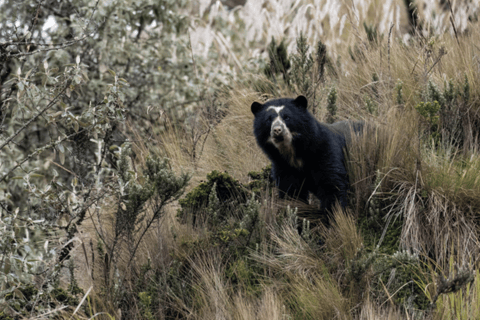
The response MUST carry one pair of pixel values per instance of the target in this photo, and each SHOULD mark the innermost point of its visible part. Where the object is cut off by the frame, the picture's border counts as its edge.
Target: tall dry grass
(434, 192)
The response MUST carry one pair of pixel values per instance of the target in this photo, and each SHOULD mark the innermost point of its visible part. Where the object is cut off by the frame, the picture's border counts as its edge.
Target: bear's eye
(286, 117)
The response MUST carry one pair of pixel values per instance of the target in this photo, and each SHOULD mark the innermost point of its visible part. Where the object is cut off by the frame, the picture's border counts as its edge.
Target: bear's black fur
(307, 156)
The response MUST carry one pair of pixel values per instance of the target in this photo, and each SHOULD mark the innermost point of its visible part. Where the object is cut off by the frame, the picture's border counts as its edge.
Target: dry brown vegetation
(417, 184)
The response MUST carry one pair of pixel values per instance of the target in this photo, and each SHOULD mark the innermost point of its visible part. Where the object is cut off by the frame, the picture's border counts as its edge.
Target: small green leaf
(7, 267)
(56, 114)
(28, 74)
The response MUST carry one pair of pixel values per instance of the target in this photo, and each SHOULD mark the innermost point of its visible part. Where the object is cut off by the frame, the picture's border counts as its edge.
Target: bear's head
(277, 122)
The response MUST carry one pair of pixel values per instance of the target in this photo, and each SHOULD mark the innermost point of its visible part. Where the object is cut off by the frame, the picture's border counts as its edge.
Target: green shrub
(261, 180)
(229, 191)
(279, 61)
(332, 106)
(430, 113)
(302, 68)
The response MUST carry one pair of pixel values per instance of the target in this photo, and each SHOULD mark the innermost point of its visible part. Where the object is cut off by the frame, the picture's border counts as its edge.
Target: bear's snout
(277, 131)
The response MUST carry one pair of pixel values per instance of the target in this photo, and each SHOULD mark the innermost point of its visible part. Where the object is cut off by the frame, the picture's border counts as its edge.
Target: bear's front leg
(292, 186)
(330, 196)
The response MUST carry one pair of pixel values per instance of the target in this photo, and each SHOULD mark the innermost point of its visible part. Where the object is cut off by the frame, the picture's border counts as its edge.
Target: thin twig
(51, 145)
(388, 50)
(453, 22)
(35, 18)
(66, 44)
(48, 106)
(441, 54)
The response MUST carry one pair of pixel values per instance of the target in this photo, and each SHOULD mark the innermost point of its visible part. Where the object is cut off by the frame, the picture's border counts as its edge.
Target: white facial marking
(277, 109)
(285, 146)
(278, 122)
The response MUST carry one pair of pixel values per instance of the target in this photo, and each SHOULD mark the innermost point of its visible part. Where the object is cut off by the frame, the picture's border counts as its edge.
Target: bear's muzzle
(277, 132)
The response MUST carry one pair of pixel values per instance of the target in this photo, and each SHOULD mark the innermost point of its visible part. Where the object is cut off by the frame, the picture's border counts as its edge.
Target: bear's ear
(256, 107)
(301, 102)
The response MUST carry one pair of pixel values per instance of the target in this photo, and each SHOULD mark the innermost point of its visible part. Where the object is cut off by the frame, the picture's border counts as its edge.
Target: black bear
(307, 156)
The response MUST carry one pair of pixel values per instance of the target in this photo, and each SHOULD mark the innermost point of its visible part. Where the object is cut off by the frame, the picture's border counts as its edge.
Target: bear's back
(346, 128)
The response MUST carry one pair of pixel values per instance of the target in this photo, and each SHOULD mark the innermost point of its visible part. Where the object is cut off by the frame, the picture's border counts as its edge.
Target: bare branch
(64, 45)
(51, 145)
(48, 106)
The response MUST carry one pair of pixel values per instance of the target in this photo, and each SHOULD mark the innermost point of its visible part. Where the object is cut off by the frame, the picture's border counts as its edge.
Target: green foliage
(25, 299)
(449, 92)
(232, 235)
(462, 278)
(433, 94)
(279, 61)
(160, 186)
(213, 204)
(64, 297)
(69, 77)
(73, 287)
(140, 203)
(230, 194)
(380, 230)
(399, 93)
(396, 277)
(146, 305)
(356, 54)
(372, 34)
(306, 231)
(302, 68)
(301, 71)
(261, 180)
(446, 123)
(250, 214)
(263, 174)
(243, 273)
(26, 252)
(430, 113)
(321, 59)
(22, 298)
(4, 316)
(371, 105)
(332, 106)
(453, 111)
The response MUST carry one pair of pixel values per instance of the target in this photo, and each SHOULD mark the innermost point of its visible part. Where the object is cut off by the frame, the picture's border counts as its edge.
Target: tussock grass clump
(386, 153)
(343, 238)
